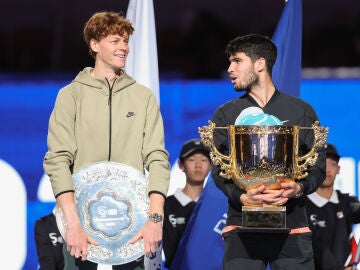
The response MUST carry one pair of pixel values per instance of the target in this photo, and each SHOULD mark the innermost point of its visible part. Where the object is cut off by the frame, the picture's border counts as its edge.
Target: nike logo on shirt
(129, 114)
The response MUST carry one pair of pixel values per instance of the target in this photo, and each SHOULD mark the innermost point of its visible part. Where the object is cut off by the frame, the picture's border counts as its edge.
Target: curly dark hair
(254, 46)
(102, 24)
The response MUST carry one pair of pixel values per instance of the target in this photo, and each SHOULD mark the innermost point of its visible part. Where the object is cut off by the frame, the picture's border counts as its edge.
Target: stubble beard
(251, 80)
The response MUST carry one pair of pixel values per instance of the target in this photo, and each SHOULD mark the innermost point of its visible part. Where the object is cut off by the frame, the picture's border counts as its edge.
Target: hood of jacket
(101, 84)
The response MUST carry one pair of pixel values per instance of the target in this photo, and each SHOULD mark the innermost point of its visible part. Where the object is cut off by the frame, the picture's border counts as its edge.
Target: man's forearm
(66, 201)
(156, 203)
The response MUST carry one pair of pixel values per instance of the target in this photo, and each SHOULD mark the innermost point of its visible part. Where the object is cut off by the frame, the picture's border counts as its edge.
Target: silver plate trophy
(112, 204)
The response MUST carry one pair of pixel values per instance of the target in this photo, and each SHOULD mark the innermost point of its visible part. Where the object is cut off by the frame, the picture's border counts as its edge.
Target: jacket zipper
(110, 116)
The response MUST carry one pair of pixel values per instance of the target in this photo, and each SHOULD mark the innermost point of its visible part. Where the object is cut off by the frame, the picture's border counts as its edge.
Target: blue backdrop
(25, 107)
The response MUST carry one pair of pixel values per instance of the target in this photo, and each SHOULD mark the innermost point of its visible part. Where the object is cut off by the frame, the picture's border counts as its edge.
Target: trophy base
(271, 219)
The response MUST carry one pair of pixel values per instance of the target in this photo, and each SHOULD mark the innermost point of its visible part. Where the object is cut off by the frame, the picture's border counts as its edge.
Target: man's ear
(260, 64)
(94, 45)
(338, 169)
(181, 165)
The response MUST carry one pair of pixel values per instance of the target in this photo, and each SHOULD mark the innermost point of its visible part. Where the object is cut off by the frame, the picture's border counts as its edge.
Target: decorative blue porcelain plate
(112, 203)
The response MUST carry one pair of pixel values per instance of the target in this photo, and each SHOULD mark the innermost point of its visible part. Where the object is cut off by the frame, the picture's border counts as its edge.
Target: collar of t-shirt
(182, 197)
(321, 201)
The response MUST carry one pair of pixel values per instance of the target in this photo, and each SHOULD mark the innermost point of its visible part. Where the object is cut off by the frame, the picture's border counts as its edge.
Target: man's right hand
(260, 196)
(77, 241)
(253, 197)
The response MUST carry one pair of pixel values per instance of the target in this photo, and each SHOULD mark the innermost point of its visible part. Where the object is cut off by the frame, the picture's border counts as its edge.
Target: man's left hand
(151, 233)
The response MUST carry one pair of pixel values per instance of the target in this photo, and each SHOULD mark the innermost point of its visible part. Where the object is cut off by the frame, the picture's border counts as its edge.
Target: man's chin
(239, 89)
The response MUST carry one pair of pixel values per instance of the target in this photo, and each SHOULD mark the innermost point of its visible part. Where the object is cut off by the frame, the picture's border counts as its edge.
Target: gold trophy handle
(309, 159)
(217, 158)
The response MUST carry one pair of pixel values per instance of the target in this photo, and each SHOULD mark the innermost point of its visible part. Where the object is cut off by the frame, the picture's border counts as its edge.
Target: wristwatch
(155, 217)
(301, 192)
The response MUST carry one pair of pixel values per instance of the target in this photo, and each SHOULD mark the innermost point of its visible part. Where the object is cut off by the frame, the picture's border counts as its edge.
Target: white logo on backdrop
(13, 218)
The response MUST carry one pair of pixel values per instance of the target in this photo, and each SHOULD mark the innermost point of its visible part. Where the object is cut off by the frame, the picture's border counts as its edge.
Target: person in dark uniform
(252, 58)
(49, 243)
(331, 216)
(194, 161)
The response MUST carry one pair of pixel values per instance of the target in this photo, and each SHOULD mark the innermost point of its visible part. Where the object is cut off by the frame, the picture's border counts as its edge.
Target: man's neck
(262, 93)
(192, 191)
(110, 75)
(325, 192)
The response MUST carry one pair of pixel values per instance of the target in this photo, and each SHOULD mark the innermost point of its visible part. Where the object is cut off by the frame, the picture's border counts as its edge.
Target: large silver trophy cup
(263, 155)
(112, 204)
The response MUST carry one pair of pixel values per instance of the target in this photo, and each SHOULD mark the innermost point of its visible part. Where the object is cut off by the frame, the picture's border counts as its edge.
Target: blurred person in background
(49, 243)
(194, 161)
(331, 216)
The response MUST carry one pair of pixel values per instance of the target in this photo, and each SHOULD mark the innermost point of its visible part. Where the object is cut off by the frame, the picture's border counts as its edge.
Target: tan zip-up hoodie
(88, 125)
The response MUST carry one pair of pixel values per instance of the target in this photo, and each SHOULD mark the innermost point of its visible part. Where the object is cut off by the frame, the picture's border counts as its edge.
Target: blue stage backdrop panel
(25, 107)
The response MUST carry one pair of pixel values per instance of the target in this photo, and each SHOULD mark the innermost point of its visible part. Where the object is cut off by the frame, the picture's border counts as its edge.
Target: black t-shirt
(177, 211)
(290, 110)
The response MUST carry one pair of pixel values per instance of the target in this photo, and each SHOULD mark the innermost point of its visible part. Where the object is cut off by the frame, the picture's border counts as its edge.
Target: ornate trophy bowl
(112, 204)
(263, 155)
